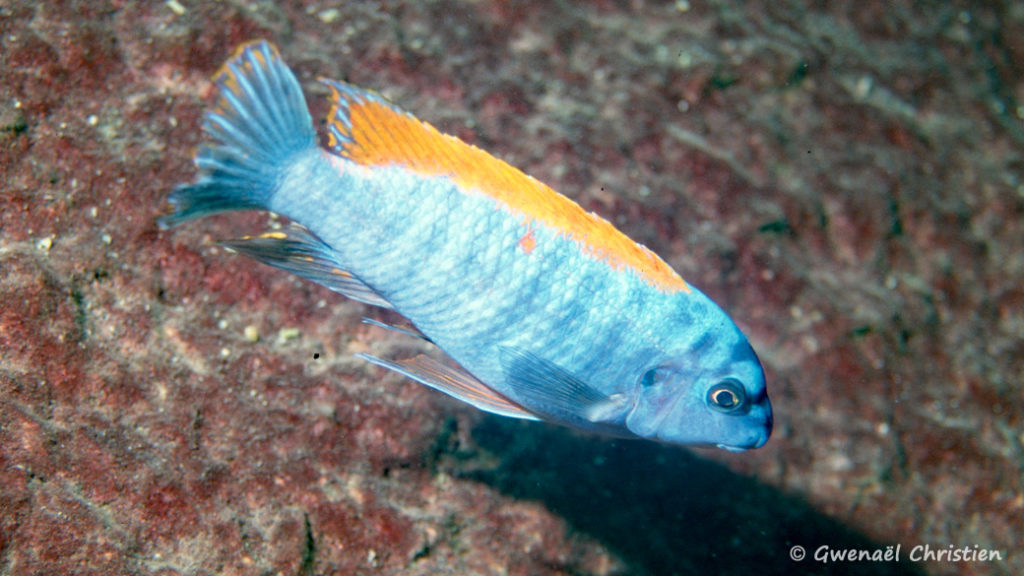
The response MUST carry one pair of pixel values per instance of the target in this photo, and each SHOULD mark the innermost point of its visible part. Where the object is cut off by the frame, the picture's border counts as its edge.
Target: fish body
(546, 311)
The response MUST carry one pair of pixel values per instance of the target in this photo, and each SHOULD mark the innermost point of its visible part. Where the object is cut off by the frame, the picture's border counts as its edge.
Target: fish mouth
(755, 440)
(729, 448)
(726, 447)
(759, 432)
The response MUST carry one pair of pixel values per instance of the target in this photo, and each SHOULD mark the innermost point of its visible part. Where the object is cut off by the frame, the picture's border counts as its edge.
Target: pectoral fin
(555, 393)
(454, 382)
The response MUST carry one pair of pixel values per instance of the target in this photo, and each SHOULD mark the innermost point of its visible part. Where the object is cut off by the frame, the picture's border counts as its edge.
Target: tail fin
(257, 123)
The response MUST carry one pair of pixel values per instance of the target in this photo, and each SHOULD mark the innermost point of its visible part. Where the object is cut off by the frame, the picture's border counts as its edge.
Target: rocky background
(845, 178)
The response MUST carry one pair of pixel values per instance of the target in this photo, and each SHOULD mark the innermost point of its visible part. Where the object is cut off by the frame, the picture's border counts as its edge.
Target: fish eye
(727, 396)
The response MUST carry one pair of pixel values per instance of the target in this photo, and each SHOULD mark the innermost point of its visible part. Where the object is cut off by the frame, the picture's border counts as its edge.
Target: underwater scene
(482, 287)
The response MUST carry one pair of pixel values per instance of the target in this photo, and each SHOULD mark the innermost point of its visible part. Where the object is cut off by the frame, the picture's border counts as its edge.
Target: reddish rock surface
(846, 179)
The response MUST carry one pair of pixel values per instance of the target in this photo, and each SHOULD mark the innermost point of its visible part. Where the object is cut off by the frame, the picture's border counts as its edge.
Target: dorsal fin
(368, 130)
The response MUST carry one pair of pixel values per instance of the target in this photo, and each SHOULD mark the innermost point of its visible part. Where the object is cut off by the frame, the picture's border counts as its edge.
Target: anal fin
(408, 330)
(455, 382)
(299, 251)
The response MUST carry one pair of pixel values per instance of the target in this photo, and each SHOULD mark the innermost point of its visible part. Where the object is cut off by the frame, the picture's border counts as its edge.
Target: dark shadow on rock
(664, 510)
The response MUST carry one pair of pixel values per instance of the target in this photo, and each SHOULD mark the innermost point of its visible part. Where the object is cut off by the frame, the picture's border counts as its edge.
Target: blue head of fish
(711, 393)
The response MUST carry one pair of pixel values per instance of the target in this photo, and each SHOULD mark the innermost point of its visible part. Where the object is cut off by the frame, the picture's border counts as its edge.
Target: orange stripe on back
(376, 133)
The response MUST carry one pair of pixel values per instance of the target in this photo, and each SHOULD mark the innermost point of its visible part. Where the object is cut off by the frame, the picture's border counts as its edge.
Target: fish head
(714, 396)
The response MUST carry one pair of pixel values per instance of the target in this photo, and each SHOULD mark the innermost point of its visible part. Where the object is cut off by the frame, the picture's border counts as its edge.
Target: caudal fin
(258, 122)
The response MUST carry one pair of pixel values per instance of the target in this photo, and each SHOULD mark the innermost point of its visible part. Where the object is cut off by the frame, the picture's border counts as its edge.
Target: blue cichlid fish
(547, 311)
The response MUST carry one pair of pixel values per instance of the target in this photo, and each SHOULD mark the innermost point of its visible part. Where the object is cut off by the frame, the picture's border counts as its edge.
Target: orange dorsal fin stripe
(368, 130)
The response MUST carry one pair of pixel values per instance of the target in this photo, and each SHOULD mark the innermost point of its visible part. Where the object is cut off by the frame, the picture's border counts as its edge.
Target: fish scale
(542, 310)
